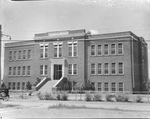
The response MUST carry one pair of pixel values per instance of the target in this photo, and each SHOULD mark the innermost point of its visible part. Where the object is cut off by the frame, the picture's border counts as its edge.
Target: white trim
(100, 50)
(111, 48)
(40, 82)
(58, 81)
(94, 69)
(107, 49)
(118, 48)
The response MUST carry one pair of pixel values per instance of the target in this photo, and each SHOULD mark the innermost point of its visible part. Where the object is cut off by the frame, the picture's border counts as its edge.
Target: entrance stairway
(50, 86)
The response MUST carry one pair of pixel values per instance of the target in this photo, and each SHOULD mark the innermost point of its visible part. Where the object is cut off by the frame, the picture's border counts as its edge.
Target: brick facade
(119, 60)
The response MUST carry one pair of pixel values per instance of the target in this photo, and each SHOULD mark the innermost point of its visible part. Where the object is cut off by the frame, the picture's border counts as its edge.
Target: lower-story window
(23, 85)
(18, 86)
(99, 86)
(106, 88)
(113, 86)
(93, 85)
(121, 86)
(14, 86)
(9, 85)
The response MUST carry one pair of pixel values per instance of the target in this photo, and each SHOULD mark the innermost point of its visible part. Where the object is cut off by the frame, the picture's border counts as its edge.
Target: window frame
(71, 69)
(99, 86)
(113, 87)
(113, 49)
(113, 68)
(121, 69)
(106, 87)
(122, 49)
(99, 50)
(100, 68)
(106, 69)
(121, 87)
(106, 49)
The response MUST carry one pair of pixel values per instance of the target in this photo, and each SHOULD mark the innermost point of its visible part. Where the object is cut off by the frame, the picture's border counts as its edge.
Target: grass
(63, 106)
(7, 105)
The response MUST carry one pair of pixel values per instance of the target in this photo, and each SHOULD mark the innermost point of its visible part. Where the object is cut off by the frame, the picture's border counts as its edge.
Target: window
(28, 70)
(93, 68)
(46, 51)
(120, 48)
(18, 86)
(93, 85)
(106, 88)
(72, 49)
(14, 86)
(10, 70)
(19, 54)
(10, 55)
(113, 87)
(9, 85)
(43, 50)
(23, 85)
(106, 68)
(23, 70)
(99, 86)
(75, 49)
(72, 69)
(106, 49)
(121, 87)
(113, 49)
(99, 68)
(57, 50)
(29, 54)
(46, 68)
(19, 70)
(99, 50)
(24, 54)
(113, 68)
(43, 69)
(14, 71)
(120, 68)
(60, 50)
(15, 55)
(93, 50)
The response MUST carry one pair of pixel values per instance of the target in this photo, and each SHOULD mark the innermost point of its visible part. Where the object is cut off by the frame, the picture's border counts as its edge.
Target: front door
(57, 71)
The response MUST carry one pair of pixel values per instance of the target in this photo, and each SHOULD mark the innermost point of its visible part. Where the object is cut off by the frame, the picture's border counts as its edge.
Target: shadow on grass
(7, 105)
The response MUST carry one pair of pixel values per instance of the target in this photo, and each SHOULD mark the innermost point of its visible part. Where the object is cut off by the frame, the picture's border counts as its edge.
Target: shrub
(122, 98)
(97, 97)
(138, 99)
(41, 96)
(48, 96)
(109, 97)
(58, 96)
(88, 97)
(64, 96)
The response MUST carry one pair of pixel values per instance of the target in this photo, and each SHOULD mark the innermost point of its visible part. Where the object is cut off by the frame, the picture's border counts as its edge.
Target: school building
(116, 62)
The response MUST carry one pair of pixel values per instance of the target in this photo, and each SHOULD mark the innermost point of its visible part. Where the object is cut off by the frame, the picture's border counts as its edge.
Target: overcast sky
(21, 20)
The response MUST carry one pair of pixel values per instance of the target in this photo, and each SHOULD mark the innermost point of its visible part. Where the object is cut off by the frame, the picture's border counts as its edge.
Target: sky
(22, 19)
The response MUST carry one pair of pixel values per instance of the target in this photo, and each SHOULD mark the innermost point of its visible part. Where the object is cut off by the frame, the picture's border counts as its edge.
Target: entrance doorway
(57, 71)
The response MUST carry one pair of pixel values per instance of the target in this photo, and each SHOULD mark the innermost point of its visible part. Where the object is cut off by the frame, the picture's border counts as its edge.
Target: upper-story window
(99, 50)
(113, 49)
(15, 55)
(24, 70)
(19, 70)
(28, 70)
(106, 68)
(93, 68)
(120, 68)
(57, 50)
(99, 68)
(106, 49)
(43, 50)
(10, 55)
(10, 70)
(14, 71)
(120, 48)
(113, 68)
(24, 54)
(72, 49)
(93, 50)
(19, 54)
(29, 54)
